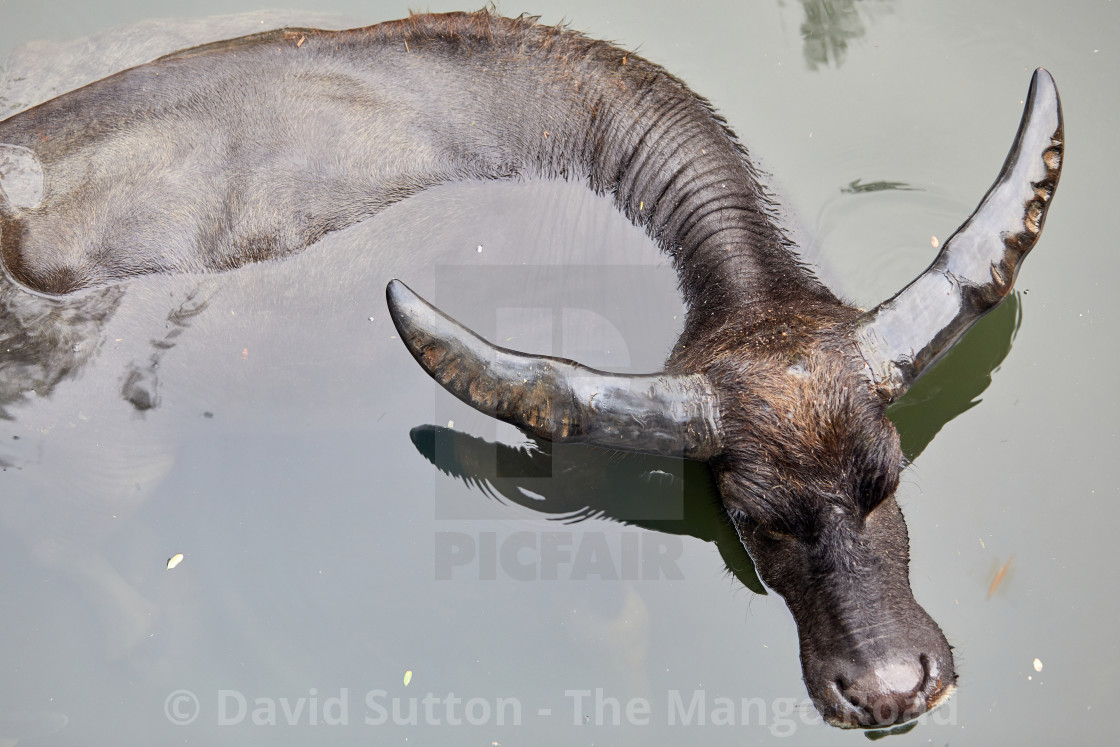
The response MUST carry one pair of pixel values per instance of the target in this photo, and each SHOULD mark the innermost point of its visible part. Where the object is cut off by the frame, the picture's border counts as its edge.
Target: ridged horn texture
(977, 266)
(558, 399)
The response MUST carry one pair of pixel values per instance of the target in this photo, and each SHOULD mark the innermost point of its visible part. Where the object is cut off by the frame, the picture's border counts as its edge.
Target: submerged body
(255, 148)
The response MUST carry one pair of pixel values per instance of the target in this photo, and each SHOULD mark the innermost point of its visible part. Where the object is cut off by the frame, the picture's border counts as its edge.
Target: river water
(362, 566)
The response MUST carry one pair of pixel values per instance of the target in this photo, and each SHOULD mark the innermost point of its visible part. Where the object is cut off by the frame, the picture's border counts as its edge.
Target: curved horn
(976, 267)
(558, 399)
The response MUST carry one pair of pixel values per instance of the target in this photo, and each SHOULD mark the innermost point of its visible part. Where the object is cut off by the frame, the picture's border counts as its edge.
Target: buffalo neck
(520, 99)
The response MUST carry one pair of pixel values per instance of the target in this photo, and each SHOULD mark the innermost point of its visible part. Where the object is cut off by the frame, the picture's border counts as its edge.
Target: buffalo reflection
(45, 341)
(830, 26)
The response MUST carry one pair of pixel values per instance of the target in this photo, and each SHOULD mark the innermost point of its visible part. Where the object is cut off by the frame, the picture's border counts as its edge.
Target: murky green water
(259, 423)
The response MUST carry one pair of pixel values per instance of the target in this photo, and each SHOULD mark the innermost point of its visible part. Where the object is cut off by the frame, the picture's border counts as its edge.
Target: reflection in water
(77, 465)
(857, 186)
(877, 734)
(956, 382)
(140, 383)
(573, 482)
(829, 26)
(47, 340)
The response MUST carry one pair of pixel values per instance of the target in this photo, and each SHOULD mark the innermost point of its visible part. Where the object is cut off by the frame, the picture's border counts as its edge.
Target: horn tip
(398, 294)
(405, 309)
(1043, 91)
(404, 304)
(1042, 77)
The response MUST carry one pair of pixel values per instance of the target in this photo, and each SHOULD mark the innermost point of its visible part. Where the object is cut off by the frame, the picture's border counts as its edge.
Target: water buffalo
(254, 148)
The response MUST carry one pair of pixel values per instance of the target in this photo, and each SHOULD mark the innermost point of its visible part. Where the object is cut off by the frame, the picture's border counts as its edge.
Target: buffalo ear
(976, 268)
(559, 399)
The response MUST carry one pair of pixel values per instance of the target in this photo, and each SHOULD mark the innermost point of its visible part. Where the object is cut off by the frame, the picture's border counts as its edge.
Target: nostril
(927, 673)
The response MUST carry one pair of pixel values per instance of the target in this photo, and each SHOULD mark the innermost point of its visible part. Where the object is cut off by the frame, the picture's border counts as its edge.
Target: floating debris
(407, 677)
(1038, 665)
(934, 242)
(1000, 576)
(174, 560)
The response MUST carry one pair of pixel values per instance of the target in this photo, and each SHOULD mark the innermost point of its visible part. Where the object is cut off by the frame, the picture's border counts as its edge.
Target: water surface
(264, 424)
